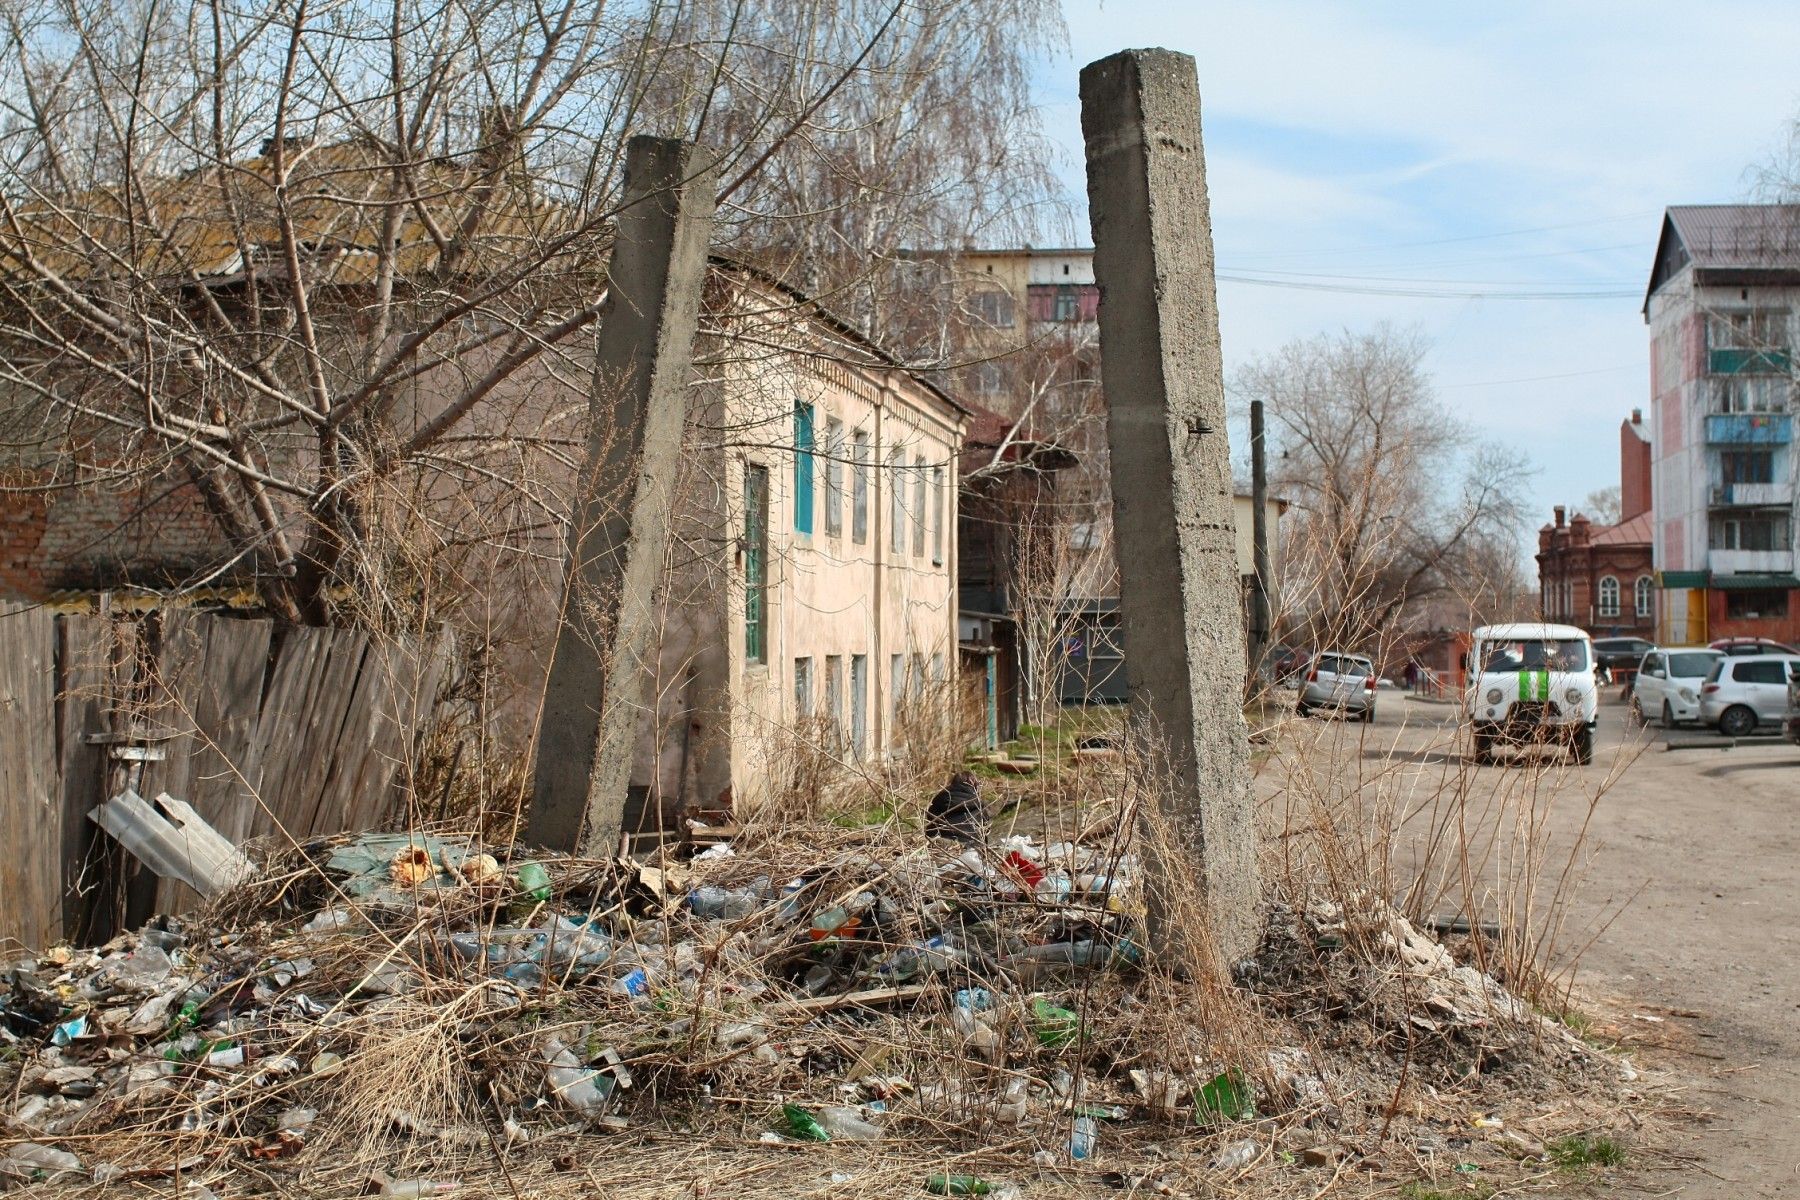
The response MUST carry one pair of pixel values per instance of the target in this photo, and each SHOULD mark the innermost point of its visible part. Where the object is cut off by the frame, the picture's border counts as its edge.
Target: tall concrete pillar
(1173, 523)
(620, 528)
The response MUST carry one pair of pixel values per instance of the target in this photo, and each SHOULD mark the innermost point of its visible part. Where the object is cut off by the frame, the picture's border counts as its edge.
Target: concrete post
(1261, 622)
(1173, 523)
(620, 525)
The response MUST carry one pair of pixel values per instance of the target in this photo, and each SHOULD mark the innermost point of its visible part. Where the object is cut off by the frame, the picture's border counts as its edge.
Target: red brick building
(1600, 577)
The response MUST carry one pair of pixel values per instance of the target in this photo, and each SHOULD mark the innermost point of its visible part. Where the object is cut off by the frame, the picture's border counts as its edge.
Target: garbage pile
(407, 1014)
(386, 1003)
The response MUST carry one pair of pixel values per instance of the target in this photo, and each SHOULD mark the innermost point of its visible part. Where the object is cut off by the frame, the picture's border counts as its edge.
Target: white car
(1667, 686)
(1342, 681)
(1741, 693)
(1532, 683)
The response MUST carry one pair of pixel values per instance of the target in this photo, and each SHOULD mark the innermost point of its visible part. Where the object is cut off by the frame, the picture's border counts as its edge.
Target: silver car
(1741, 693)
(1342, 681)
(1667, 685)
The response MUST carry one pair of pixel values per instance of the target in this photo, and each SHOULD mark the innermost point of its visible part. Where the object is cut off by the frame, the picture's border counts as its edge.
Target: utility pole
(1180, 590)
(620, 525)
(1260, 621)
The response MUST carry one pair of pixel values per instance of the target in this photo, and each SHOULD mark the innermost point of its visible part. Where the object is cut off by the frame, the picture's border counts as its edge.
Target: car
(1621, 655)
(1751, 645)
(1667, 686)
(1531, 682)
(1742, 692)
(1345, 682)
(1792, 723)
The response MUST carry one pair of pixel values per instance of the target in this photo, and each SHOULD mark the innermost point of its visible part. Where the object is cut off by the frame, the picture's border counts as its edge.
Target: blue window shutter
(803, 468)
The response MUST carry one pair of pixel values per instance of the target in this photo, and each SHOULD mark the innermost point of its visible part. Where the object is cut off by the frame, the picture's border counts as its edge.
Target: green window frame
(803, 467)
(756, 564)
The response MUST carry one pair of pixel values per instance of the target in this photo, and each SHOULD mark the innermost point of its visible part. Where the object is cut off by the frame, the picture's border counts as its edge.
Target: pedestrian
(1412, 675)
(957, 812)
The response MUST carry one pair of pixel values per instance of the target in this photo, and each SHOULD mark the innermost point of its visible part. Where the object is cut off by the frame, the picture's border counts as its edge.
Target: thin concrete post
(1173, 523)
(1261, 623)
(620, 528)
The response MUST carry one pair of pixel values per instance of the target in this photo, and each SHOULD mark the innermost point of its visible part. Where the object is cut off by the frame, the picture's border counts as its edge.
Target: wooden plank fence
(270, 732)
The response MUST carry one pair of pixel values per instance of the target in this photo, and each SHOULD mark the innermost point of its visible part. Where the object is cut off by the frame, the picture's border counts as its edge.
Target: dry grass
(436, 1080)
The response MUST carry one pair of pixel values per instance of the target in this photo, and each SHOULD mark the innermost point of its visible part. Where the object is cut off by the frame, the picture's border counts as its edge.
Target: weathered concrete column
(1174, 529)
(1261, 622)
(620, 528)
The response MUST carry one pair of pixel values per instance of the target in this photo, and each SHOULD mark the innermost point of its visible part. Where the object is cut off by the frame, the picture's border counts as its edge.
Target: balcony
(1750, 562)
(1748, 429)
(1743, 361)
(1734, 495)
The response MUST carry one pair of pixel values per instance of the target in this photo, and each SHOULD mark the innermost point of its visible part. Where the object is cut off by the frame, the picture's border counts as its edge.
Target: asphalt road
(1684, 924)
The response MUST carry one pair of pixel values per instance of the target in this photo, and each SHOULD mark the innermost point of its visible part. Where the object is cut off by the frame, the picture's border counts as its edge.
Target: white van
(1532, 683)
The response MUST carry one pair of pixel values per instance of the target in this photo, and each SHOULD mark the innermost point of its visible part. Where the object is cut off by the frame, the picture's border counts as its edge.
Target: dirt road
(1699, 971)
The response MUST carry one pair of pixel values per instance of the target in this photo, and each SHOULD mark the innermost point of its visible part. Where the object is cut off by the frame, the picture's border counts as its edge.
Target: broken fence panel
(172, 840)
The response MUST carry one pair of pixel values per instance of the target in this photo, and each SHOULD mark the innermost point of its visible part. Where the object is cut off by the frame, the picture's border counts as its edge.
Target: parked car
(1667, 687)
(1742, 692)
(1621, 655)
(1531, 683)
(1342, 681)
(1792, 726)
(1751, 645)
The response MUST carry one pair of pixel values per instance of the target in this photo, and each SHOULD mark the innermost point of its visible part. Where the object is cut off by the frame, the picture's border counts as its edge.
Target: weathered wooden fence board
(31, 866)
(291, 732)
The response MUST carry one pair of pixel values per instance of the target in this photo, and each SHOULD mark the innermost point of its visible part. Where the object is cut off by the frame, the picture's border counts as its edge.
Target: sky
(1510, 160)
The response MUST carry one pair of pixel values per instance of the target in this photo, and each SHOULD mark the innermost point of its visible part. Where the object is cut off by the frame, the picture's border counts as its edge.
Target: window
(859, 486)
(896, 487)
(1749, 394)
(1772, 671)
(896, 695)
(834, 696)
(756, 564)
(1751, 531)
(834, 477)
(937, 668)
(1750, 605)
(859, 705)
(1609, 596)
(917, 682)
(990, 380)
(937, 516)
(803, 467)
(995, 308)
(1746, 466)
(918, 513)
(1068, 303)
(1644, 595)
(803, 688)
(1755, 329)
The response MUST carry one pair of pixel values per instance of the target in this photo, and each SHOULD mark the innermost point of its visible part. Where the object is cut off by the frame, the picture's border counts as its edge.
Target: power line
(1450, 293)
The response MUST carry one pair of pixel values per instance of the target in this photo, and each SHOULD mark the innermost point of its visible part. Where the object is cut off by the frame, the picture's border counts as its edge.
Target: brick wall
(153, 532)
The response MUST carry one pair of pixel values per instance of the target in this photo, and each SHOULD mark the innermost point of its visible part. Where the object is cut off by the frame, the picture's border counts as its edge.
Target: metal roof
(1731, 242)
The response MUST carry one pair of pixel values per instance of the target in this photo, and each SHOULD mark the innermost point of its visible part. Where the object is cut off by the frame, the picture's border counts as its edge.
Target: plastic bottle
(846, 1124)
(833, 922)
(535, 881)
(574, 1084)
(957, 1185)
(43, 1158)
(1056, 1026)
(1083, 1137)
(418, 1187)
(803, 1124)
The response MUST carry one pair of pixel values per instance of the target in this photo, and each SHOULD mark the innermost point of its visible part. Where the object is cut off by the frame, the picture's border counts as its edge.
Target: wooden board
(84, 711)
(30, 806)
(213, 668)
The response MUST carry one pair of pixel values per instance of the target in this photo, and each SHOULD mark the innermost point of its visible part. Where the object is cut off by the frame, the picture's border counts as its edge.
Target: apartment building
(1721, 306)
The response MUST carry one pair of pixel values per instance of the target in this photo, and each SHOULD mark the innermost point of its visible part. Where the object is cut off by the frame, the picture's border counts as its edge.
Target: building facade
(1721, 307)
(1602, 577)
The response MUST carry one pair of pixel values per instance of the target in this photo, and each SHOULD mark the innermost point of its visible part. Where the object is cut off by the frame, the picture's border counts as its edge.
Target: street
(1683, 921)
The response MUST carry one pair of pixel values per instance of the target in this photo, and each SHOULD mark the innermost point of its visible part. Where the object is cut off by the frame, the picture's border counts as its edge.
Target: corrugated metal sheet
(1743, 236)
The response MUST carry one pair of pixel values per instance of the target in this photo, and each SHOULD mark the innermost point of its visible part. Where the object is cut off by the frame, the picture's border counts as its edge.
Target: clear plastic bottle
(1083, 1137)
